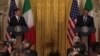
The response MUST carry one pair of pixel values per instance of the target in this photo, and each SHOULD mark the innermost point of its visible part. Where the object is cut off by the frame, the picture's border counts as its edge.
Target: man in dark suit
(17, 20)
(85, 20)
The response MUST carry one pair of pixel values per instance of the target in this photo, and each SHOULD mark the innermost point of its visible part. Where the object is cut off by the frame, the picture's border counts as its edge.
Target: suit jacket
(89, 22)
(15, 22)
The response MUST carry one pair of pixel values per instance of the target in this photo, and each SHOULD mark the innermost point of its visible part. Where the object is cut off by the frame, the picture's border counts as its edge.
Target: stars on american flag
(12, 8)
(74, 10)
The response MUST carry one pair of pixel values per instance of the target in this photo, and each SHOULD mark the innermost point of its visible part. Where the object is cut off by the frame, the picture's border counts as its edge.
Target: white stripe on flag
(29, 18)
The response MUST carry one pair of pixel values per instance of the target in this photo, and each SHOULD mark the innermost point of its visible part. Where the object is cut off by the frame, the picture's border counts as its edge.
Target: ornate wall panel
(96, 14)
(3, 16)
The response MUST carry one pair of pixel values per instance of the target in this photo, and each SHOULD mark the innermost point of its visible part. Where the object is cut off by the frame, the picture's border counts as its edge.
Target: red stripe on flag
(71, 34)
(92, 38)
(70, 40)
(72, 25)
(71, 22)
(31, 35)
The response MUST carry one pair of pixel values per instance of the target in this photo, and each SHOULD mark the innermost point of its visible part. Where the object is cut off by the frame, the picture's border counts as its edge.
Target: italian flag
(89, 7)
(27, 13)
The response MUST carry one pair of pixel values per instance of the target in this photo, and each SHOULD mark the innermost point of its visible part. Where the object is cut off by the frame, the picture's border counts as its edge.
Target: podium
(84, 32)
(18, 31)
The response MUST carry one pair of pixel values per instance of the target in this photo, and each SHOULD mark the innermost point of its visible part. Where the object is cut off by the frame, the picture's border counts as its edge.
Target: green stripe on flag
(88, 5)
(27, 6)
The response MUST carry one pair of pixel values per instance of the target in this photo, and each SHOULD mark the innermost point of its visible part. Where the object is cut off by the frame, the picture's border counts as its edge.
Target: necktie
(85, 19)
(18, 19)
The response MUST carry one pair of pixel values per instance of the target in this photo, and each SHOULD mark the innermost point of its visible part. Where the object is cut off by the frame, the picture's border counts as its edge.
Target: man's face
(18, 13)
(85, 13)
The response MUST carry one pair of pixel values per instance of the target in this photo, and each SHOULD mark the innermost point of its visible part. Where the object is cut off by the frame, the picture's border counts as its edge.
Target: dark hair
(17, 9)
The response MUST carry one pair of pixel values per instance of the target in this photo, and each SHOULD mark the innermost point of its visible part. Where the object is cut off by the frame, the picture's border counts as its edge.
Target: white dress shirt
(17, 17)
(84, 18)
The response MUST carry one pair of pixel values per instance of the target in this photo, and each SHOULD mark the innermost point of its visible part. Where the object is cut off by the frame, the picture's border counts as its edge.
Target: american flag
(71, 23)
(11, 13)
(12, 8)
